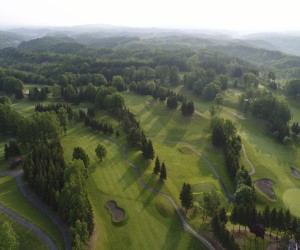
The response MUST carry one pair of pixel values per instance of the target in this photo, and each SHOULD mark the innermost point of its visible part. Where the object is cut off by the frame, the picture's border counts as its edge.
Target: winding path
(252, 171)
(39, 233)
(63, 229)
(185, 225)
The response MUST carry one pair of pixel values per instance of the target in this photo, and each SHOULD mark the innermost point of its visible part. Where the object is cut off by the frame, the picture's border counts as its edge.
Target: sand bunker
(295, 172)
(186, 150)
(116, 212)
(239, 116)
(265, 185)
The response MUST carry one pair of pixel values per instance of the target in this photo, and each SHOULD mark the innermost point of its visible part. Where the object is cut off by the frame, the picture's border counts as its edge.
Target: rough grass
(28, 240)
(11, 198)
(145, 227)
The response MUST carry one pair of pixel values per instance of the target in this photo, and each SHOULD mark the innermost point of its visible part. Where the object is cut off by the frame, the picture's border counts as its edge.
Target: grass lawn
(167, 129)
(12, 198)
(270, 158)
(28, 240)
(150, 221)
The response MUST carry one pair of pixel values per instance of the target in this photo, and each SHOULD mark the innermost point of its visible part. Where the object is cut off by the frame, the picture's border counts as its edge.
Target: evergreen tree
(156, 169)
(163, 172)
(9, 240)
(234, 216)
(186, 196)
(222, 215)
(80, 154)
(117, 133)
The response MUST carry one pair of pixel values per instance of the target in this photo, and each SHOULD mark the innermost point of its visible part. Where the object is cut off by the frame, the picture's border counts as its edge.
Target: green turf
(292, 201)
(12, 198)
(167, 129)
(28, 240)
(186, 150)
(146, 225)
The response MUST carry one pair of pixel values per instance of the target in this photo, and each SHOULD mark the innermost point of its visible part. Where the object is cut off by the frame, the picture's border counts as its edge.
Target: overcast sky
(268, 15)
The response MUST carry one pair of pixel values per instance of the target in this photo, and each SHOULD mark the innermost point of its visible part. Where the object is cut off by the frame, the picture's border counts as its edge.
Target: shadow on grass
(174, 234)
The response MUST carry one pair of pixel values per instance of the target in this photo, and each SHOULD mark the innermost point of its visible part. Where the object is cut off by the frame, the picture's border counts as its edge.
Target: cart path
(252, 171)
(39, 233)
(185, 225)
(57, 221)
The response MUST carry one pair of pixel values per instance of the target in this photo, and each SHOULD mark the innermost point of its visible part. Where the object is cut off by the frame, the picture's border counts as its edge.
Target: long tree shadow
(147, 196)
(174, 234)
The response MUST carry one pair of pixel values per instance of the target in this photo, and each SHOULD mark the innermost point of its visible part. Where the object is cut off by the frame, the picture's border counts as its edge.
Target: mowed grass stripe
(145, 227)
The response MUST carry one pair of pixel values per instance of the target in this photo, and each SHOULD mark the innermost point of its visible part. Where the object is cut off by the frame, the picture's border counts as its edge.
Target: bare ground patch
(116, 212)
(295, 172)
(265, 185)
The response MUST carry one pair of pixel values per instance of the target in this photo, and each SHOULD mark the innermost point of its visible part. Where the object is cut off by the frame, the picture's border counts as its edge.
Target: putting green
(291, 201)
(185, 150)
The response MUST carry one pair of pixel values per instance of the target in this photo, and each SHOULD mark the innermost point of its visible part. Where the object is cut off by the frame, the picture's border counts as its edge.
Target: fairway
(145, 225)
(291, 200)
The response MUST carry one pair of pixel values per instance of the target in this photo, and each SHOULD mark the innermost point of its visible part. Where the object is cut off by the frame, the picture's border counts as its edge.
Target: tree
(56, 91)
(211, 202)
(119, 83)
(100, 151)
(156, 169)
(234, 216)
(172, 102)
(186, 196)
(222, 215)
(80, 235)
(63, 118)
(148, 150)
(219, 99)
(9, 240)
(80, 154)
(163, 172)
(174, 75)
(244, 195)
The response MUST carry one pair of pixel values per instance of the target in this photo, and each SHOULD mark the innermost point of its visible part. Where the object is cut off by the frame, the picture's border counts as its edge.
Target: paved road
(185, 225)
(252, 171)
(17, 174)
(39, 233)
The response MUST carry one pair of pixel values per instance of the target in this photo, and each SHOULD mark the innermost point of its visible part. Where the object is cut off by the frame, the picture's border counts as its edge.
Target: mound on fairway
(116, 212)
(185, 150)
(290, 200)
(164, 207)
(295, 172)
(265, 186)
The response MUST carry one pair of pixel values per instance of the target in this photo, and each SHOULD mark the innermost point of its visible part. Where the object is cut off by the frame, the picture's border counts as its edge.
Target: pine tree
(157, 166)
(163, 172)
(186, 196)
(234, 216)
(117, 133)
(222, 215)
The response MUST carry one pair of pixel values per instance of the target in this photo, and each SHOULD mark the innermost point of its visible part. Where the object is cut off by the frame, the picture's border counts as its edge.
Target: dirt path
(252, 169)
(39, 233)
(185, 225)
(63, 229)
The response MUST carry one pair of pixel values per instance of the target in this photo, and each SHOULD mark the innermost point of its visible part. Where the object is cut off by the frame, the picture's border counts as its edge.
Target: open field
(150, 221)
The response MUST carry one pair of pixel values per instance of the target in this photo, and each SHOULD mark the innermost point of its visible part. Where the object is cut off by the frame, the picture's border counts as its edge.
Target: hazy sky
(215, 14)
